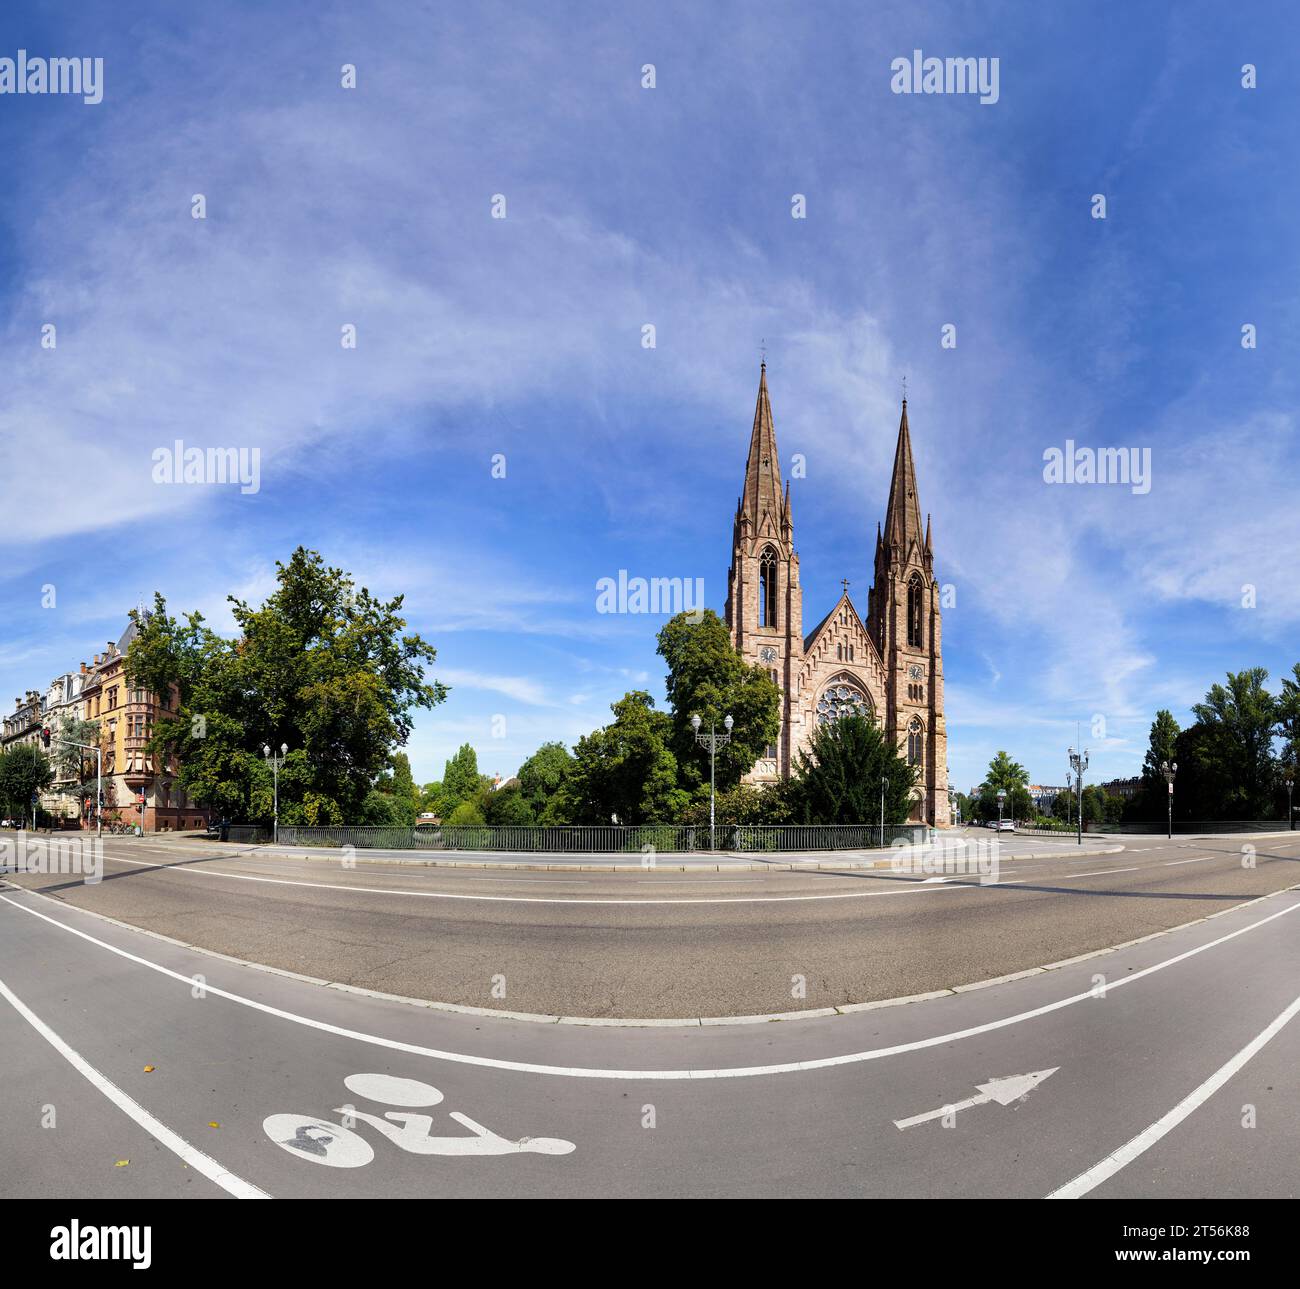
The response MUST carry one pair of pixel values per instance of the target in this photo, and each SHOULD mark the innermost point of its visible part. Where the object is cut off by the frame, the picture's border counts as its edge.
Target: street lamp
(884, 783)
(1002, 796)
(712, 741)
(1079, 763)
(276, 762)
(1290, 811)
(1169, 771)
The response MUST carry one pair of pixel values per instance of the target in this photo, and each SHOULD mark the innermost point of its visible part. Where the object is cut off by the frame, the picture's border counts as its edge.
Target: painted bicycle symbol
(337, 1145)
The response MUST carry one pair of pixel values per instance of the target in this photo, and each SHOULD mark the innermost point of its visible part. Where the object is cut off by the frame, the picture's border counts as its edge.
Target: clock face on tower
(767, 654)
(914, 671)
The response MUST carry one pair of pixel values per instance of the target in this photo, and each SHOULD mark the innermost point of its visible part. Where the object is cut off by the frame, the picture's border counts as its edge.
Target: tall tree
(708, 678)
(321, 666)
(461, 780)
(1288, 718)
(541, 781)
(841, 774)
(1239, 719)
(626, 772)
(25, 771)
(1006, 774)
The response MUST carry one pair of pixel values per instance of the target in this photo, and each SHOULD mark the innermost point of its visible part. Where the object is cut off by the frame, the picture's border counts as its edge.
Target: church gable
(841, 641)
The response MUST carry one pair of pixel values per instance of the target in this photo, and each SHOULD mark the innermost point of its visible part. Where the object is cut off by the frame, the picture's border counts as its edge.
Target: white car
(1002, 825)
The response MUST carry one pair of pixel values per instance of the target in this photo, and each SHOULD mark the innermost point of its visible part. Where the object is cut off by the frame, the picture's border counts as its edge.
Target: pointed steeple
(760, 501)
(903, 514)
(929, 548)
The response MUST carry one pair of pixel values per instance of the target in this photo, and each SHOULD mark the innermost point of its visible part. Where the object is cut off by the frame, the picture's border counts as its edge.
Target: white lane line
(1126, 1154)
(915, 888)
(911, 886)
(177, 1144)
(1173, 863)
(580, 1072)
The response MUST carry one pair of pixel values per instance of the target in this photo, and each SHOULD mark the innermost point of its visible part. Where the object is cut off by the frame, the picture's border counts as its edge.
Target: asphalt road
(1173, 1072)
(667, 945)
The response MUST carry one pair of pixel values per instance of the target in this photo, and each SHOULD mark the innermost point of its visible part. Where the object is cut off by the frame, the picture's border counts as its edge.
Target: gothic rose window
(840, 699)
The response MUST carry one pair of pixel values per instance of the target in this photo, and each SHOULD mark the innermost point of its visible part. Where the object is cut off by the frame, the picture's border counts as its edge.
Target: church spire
(903, 514)
(760, 501)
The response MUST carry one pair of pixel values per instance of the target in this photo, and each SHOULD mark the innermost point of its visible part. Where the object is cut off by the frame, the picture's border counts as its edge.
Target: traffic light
(45, 736)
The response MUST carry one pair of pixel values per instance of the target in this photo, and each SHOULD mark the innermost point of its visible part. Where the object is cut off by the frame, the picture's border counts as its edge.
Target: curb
(790, 866)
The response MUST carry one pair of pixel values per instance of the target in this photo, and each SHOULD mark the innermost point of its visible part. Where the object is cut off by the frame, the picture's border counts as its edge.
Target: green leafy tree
(1239, 719)
(626, 772)
(708, 678)
(400, 787)
(461, 780)
(321, 666)
(542, 780)
(467, 812)
(24, 770)
(1006, 774)
(1288, 719)
(508, 806)
(840, 775)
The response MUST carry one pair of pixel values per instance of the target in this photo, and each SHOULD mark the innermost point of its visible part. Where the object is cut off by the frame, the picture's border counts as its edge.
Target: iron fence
(593, 839)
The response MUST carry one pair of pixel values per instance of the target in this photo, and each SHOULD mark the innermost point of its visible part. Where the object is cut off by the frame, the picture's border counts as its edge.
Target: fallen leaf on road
(121, 1163)
(214, 1125)
(148, 1069)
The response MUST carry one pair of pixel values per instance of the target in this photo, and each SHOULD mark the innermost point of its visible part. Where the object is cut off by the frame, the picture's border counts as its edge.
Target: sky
(520, 341)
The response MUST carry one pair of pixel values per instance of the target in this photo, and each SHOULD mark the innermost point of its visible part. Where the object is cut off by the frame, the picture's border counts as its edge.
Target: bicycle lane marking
(174, 1142)
(726, 1072)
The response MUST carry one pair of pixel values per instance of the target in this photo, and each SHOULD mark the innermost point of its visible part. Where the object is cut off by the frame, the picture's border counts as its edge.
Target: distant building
(1044, 797)
(1124, 789)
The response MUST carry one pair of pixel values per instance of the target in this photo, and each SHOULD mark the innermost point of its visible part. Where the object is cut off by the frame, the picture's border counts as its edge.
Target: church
(888, 668)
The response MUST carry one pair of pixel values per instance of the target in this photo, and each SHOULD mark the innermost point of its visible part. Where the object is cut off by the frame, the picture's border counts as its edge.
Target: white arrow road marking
(1126, 1154)
(1014, 1087)
(174, 1142)
(727, 1072)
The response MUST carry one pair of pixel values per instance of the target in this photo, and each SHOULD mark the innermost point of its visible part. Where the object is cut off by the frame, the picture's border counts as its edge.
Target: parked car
(1006, 825)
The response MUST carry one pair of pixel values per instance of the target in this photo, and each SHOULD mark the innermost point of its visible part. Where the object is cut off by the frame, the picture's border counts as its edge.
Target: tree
(1006, 774)
(1162, 747)
(542, 779)
(508, 806)
(461, 780)
(1239, 720)
(840, 775)
(321, 666)
(626, 772)
(73, 762)
(399, 787)
(1288, 718)
(25, 771)
(708, 678)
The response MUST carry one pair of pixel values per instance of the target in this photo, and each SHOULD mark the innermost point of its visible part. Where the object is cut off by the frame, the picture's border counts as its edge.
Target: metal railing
(592, 839)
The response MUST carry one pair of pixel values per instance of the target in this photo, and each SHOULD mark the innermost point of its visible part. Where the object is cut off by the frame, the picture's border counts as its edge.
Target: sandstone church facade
(889, 668)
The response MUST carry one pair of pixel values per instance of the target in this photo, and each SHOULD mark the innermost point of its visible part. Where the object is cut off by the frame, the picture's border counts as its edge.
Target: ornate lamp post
(712, 741)
(1002, 796)
(1079, 763)
(1169, 771)
(276, 762)
(1290, 811)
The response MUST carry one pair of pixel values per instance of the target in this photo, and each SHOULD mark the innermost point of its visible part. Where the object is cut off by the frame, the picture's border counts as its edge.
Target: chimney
(83, 668)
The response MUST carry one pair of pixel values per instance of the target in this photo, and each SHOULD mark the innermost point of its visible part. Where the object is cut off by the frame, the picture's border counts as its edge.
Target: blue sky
(669, 206)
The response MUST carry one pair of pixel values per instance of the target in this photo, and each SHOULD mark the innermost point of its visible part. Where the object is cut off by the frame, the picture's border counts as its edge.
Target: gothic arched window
(914, 742)
(915, 597)
(767, 588)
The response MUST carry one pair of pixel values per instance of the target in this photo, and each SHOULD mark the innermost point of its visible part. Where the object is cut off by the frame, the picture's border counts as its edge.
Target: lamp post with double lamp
(1079, 763)
(1169, 771)
(712, 741)
(276, 762)
(1290, 810)
(1002, 796)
